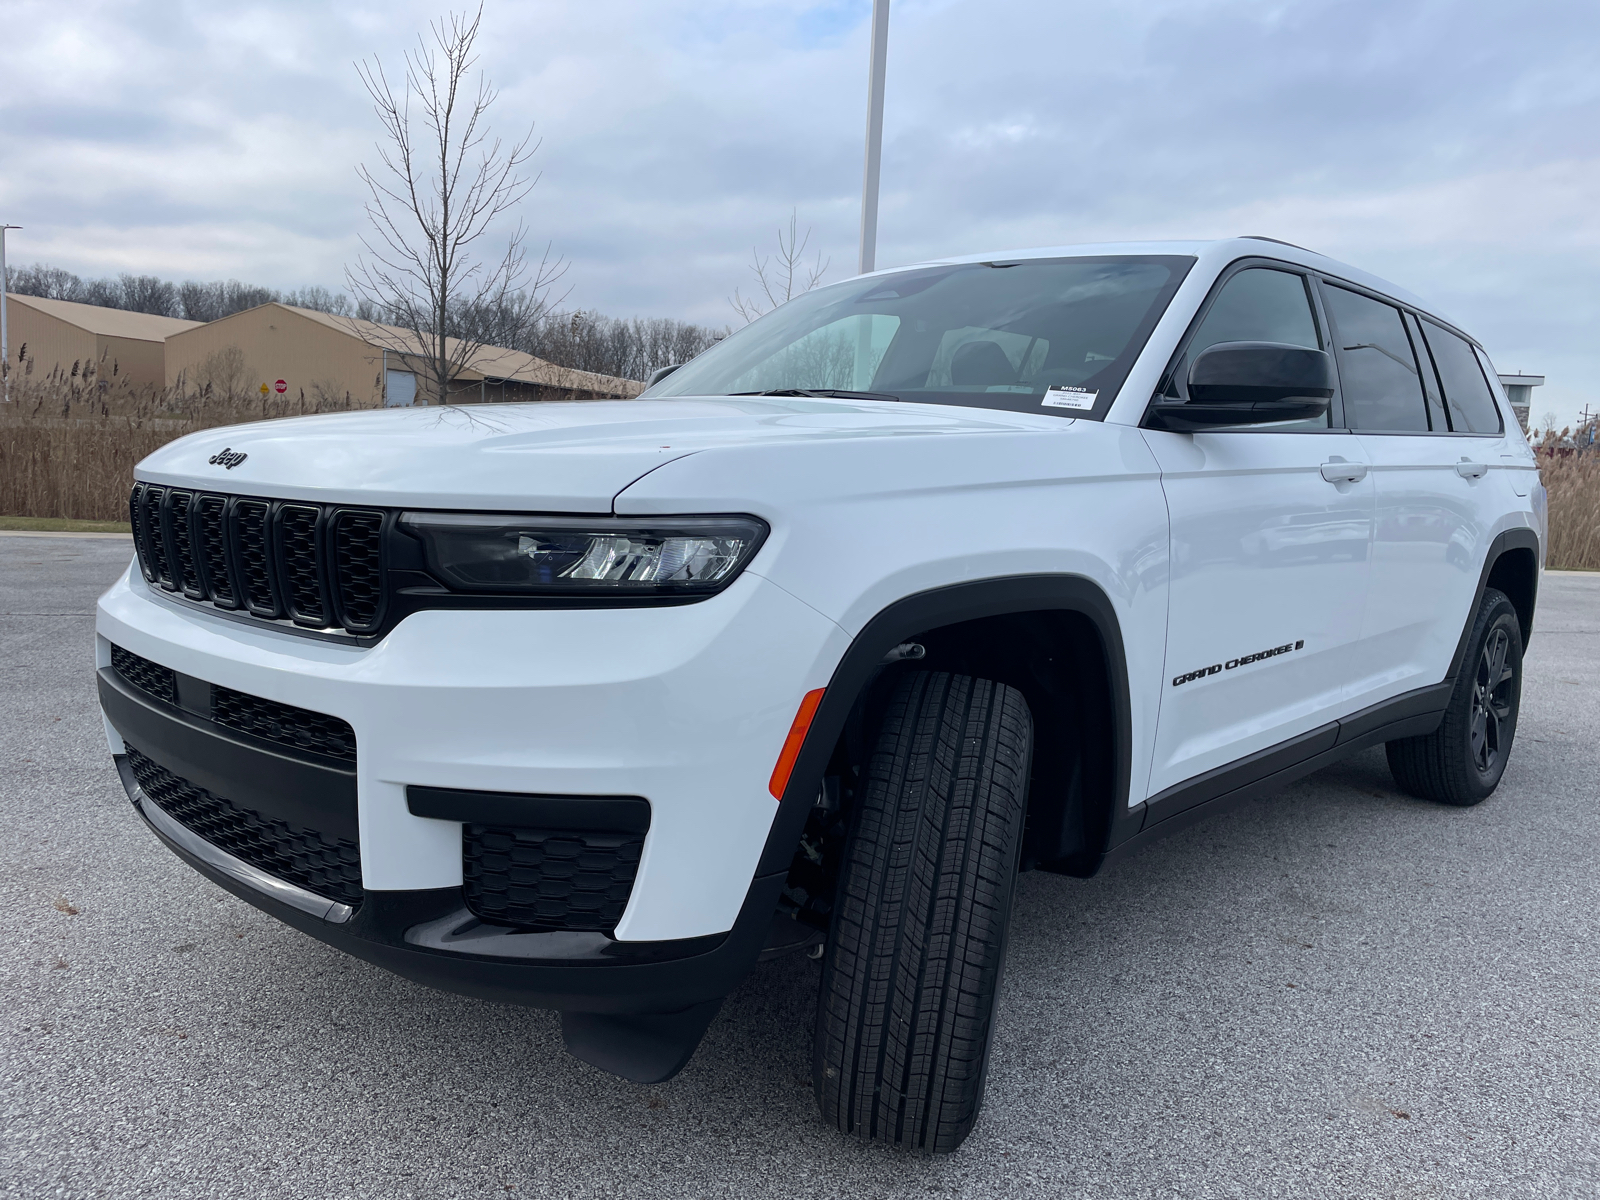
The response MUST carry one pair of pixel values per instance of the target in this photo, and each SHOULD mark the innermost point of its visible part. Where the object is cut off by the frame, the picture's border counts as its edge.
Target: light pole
(5, 345)
(869, 184)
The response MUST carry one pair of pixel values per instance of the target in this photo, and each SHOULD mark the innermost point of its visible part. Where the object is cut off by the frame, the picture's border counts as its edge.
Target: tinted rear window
(1466, 391)
(1378, 373)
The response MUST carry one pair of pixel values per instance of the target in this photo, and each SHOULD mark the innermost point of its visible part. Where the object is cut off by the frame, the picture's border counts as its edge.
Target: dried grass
(1573, 483)
(68, 448)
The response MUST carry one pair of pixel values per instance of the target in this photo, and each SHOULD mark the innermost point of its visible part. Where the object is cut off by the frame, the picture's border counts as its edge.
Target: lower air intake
(549, 879)
(327, 867)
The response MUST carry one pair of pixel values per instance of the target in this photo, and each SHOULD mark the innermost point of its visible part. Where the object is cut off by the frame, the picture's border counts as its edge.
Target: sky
(1451, 146)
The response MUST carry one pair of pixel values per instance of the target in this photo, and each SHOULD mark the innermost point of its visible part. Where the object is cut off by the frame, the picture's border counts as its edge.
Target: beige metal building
(339, 361)
(87, 341)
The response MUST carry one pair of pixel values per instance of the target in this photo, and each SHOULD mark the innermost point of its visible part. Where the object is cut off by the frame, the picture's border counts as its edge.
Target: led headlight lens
(491, 552)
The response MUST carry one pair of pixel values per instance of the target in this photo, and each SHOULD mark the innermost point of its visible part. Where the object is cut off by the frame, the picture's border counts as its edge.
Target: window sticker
(1065, 396)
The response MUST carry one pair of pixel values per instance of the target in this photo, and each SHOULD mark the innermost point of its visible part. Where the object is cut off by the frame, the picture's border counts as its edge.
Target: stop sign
(281, 387)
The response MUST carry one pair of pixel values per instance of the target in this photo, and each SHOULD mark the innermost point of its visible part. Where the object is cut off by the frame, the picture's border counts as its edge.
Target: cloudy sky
(1452, 146)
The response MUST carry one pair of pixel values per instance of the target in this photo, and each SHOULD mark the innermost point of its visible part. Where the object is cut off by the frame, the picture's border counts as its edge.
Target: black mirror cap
(1250, 383)
(658, 375)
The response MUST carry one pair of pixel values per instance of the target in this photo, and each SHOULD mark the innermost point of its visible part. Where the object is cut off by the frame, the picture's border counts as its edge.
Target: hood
(552, 456)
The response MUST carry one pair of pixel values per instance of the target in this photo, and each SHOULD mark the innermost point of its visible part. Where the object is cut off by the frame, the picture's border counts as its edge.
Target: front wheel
(914, 954)
(1462, 761)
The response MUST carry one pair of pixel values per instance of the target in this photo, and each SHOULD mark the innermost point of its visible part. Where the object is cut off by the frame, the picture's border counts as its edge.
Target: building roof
(489, 362)
(109, 322)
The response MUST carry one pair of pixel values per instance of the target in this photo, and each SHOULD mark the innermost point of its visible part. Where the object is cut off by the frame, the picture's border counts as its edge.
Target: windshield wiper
(821, 393)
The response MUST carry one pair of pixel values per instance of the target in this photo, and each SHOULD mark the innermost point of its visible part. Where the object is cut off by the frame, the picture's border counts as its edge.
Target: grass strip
(63, 525)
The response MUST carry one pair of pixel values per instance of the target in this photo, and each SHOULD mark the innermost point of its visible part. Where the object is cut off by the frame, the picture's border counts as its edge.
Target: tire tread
(914, 955)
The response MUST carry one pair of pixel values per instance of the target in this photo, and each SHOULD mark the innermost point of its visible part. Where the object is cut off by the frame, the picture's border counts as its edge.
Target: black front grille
(186, 570)
(358, 572)
(160, 682)
(152, 544)
(328, 867)
(302, 581)
(248, 528)
(300, 728)
(320, 566)
(211, 542)
(549, 879)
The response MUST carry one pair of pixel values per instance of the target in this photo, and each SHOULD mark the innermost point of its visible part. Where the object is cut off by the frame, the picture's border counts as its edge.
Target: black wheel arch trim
(953, 604)
(1508, 541)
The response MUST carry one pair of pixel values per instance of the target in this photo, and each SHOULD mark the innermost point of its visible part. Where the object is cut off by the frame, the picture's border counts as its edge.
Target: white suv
(927, 577)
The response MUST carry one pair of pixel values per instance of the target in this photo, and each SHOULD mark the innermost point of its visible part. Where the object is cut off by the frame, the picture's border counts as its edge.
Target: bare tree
(439, 191)
(783, 280)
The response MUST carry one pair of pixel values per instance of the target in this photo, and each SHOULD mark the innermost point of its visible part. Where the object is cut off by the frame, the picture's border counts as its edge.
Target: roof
(109, 322)
(488, 362)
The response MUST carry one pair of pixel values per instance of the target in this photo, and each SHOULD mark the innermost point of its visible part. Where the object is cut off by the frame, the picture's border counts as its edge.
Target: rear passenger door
(1431, 432)
(1270, 532)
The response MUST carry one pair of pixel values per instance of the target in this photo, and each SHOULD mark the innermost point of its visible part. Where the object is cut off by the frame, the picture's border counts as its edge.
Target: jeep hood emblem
(227, 457)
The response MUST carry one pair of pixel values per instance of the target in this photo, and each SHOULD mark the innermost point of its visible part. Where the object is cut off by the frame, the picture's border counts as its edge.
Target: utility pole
(869, 184)
(5, 344)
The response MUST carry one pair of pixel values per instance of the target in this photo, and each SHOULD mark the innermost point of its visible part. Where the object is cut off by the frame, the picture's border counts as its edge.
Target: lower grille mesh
(329, 867)
(549, 879)
(298, 728)
(161, 682)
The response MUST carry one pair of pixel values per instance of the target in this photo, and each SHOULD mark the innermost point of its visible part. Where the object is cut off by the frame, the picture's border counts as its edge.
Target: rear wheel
(1462, 761)
(917, 939)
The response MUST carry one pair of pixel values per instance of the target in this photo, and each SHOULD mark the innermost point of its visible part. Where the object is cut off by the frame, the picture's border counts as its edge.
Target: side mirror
(658, 375)
(1249, 383)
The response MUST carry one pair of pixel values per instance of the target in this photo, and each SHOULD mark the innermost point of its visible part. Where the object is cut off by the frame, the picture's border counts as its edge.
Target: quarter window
(1466, 391)
(1378, 373)
(1430, 377)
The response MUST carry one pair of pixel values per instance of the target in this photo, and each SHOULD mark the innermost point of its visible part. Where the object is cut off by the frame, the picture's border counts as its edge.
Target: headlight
(492, 552)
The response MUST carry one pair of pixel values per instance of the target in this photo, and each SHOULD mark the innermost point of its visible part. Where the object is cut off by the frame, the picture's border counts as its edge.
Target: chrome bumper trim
(185, 839)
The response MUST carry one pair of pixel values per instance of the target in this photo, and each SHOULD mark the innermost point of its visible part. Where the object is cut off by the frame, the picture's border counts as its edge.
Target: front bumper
(430, 937)
(685, 706)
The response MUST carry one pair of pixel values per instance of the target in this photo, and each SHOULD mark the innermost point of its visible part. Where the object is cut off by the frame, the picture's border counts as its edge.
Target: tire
(1462, 761)
(917, 941)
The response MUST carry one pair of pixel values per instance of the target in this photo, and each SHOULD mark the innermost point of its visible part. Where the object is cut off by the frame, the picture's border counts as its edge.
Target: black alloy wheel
(1462, 761)
(1492, 701)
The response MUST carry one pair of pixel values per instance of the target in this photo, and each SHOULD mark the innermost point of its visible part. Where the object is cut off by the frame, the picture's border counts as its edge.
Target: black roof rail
(1256, 237)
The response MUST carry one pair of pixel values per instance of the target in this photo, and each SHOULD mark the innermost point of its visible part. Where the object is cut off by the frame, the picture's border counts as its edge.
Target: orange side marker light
(792, 743)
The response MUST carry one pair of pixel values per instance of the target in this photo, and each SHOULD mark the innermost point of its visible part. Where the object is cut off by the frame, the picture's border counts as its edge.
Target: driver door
(1270, 551)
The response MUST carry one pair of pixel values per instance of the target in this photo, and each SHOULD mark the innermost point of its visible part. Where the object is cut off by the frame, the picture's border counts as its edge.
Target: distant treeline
(629, 348)
(190, 300)
(625, 348)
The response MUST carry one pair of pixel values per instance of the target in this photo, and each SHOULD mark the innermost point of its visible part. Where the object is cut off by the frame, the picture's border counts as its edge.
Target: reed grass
(1572, 482)
(68, 448)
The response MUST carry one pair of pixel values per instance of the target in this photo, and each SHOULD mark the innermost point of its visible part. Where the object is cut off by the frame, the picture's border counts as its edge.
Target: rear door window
(1378, 373)
(1466, 391)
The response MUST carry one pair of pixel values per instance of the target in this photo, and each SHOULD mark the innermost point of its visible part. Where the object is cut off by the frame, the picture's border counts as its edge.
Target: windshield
(1055, 336)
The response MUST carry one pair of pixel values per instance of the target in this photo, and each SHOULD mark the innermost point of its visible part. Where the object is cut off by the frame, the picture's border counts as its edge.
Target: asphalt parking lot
(1336, 991)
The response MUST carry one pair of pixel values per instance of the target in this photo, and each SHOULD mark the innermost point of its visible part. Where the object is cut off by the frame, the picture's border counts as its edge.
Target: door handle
(1337, 470)
(1468, 469)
